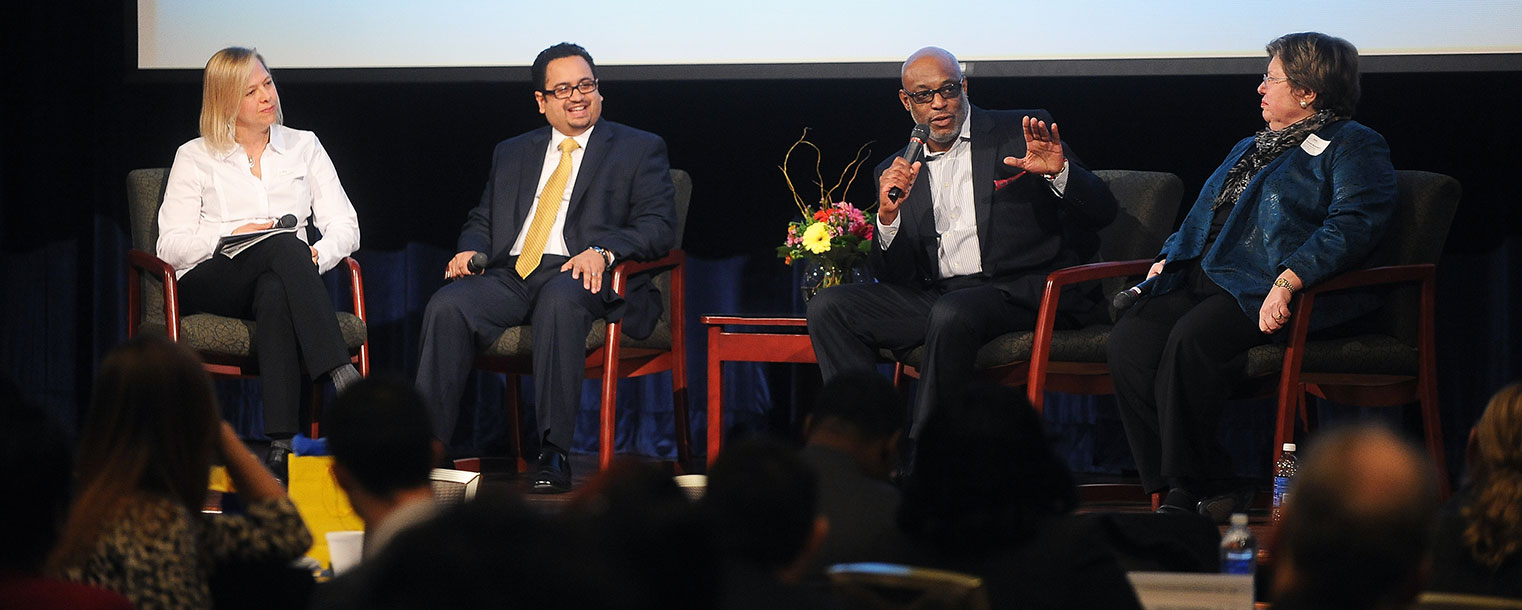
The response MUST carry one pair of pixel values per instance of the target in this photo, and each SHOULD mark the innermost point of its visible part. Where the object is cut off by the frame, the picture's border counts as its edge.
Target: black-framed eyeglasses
(947, 91)
(586, 87)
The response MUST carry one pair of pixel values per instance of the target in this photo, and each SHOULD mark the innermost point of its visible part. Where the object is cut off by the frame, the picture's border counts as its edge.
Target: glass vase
(820, 273)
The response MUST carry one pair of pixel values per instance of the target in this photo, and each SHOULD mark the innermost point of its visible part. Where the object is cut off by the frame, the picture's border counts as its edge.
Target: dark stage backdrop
(414, 156)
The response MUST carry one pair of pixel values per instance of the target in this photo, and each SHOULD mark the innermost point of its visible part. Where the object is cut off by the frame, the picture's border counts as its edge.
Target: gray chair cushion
(234, 337)
(1363, 355)
(518, 341)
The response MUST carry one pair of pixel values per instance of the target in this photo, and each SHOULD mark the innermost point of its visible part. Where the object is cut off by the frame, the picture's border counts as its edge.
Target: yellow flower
(816, 238)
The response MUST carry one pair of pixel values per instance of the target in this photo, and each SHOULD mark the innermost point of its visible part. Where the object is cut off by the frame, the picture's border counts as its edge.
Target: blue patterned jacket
(1318, 209)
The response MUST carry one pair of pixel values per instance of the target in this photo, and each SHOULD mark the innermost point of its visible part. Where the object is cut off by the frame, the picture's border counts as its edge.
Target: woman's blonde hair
(1493, 518)
(222, 85)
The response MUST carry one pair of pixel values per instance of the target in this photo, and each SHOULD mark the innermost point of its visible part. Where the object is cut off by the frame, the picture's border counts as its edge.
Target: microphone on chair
(1126, 298)
(476, 263)
(913, 153)
(286, 222)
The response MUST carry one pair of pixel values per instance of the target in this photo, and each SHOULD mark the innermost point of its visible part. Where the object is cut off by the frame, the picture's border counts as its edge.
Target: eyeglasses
(586, 87)
(947, 91)
(1275, 79)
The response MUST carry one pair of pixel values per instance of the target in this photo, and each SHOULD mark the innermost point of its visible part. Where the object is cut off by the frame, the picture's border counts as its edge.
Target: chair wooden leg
(679, 409)
(608, 416)
(314, 411)
(1432, 427)
(510, 402)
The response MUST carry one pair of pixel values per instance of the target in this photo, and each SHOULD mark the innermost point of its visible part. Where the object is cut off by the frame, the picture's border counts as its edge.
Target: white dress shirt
(950, 173)
(555, 242)
(212, 192)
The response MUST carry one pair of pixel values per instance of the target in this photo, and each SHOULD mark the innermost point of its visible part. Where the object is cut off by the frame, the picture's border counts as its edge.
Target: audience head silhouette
(762, 504)
(380, 436)
(862, 414)
(1359, 522)
(985, 476)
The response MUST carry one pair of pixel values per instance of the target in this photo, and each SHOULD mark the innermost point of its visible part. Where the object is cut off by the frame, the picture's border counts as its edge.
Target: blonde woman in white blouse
(242, 175)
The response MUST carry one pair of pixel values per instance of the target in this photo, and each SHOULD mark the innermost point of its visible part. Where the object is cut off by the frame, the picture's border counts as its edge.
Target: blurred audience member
(1479, 540)
(988, 496)
(36, 453)
(380, 435)
(852, 445)
(644, 526)
(1358, 526)
(490, 553)
(136, 526)
(762, 507)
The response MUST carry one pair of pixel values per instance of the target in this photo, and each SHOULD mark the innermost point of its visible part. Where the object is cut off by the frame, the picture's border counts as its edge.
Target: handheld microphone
(476, 263)
(286, 222)
(1126, 298)
(913, 153)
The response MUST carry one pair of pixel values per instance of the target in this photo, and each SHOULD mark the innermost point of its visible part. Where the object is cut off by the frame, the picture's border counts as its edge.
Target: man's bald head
(1359, 522)
(940, 58)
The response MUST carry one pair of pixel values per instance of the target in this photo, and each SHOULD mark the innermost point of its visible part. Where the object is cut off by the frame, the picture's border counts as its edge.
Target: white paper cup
(344, 549)
(693, 484)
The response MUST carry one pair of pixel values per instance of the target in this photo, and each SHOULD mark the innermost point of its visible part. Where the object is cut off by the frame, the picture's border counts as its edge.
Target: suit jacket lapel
(532, 166)
(985, 152)
(591, 161)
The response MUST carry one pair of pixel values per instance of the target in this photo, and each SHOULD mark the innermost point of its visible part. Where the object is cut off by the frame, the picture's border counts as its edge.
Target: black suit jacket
(1024, 230)
(623, 200)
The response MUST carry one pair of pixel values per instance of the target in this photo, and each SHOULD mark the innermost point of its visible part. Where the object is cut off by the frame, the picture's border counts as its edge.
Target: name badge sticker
(1313, 144)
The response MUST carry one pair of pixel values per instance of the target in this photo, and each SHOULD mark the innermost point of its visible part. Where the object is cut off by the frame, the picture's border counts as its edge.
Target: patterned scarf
(1267, 146)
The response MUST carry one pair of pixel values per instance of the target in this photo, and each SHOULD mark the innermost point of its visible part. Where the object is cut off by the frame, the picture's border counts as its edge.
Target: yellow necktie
(544, 215)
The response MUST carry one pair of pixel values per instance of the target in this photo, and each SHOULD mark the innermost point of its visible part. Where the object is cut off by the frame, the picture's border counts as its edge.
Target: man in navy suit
(562, 205)
(962, 256)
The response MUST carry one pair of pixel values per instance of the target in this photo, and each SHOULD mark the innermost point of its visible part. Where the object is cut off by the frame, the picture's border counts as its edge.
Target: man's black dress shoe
(553, 474)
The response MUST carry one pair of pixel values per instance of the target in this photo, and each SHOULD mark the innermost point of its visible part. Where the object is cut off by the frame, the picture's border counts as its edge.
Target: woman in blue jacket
(1293, 205)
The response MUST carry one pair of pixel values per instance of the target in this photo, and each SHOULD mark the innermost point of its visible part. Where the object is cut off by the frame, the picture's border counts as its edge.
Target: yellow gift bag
(323, 506)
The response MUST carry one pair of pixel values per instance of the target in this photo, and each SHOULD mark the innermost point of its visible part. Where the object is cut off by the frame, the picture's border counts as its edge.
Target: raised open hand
(1043, 148)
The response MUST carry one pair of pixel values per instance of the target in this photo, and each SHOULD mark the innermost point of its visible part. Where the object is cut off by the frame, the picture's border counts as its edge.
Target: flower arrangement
(834, 234)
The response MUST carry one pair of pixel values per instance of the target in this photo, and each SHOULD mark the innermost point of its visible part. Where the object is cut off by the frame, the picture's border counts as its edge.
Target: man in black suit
(562, 205)
(962, 256)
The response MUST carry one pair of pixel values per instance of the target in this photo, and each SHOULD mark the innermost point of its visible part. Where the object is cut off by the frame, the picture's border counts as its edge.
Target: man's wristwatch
(606, 254)
(1284, 283)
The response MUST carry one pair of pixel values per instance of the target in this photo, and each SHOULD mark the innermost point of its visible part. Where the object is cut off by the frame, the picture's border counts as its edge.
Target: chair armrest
(626, 269)
(356, 286)
(1393, 274)
(1095, 271)
(1424, 274)
(139, 262)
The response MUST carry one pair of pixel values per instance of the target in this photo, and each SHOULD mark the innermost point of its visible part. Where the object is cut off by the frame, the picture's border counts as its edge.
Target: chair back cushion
(1424, 211)
(1148, 208)
(683, 183)
(145, 193)
(1149, 203)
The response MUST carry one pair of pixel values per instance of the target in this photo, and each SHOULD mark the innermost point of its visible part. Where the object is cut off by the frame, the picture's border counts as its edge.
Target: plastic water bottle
(1284, 472)
(1239, 548)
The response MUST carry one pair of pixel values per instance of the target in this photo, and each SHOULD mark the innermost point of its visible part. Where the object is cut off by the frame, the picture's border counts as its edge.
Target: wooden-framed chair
(611, 360)
(224, 344)
(1074, 360)
(1391, 359)
(888, 586)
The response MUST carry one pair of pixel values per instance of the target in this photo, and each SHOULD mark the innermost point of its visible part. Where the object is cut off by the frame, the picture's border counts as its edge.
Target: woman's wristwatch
(1284, 283)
